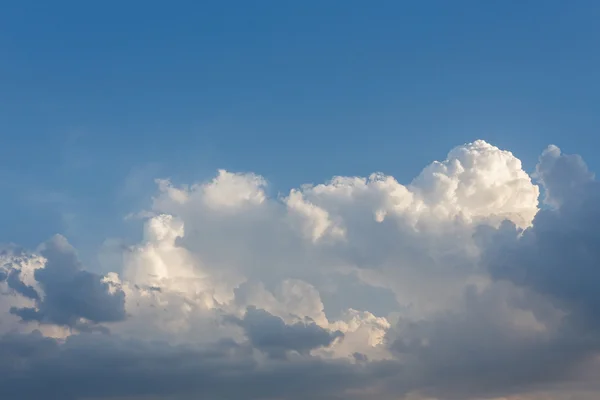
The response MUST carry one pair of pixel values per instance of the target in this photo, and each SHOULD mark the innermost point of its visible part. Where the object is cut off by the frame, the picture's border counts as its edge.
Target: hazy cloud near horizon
(457, 285)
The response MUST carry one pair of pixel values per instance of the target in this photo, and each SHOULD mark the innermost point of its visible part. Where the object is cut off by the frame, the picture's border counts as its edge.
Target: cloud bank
(457, 285)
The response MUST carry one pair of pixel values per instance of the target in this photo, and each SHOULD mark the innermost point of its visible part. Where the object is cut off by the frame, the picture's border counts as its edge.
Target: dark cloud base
(105, 366)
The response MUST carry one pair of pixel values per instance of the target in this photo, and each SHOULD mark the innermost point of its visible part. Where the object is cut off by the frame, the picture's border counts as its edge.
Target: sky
(328, 200)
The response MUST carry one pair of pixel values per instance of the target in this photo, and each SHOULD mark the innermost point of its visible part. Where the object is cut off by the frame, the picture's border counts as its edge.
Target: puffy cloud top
(453, 286)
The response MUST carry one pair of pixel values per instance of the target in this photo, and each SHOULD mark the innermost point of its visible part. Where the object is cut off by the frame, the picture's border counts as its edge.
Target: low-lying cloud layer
(458, 285)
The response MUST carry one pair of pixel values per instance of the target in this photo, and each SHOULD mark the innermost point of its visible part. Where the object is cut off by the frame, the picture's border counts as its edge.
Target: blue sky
(97, 100)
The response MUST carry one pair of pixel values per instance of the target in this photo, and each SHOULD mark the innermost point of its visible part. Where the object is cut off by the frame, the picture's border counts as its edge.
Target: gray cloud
(272, 335)
(13, 278)
(70, 293)
(560, 255)
(481, 351)
(106, 366)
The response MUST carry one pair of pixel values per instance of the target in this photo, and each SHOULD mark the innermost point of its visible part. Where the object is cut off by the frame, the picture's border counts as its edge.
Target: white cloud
(221, 260)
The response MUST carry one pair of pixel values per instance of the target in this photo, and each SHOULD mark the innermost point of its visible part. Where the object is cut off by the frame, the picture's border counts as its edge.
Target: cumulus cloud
(453, 286)
(67, 294)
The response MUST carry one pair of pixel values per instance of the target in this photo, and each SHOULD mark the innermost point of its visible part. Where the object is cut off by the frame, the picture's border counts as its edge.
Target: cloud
(67, 294)
(101, 366)
(13, 279)
(559, 254)
(272, 335)
(453, 286)
(502, 341)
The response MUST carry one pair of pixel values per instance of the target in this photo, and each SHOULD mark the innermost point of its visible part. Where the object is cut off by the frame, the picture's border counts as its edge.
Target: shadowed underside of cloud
(271, 334)
(473, 292)
(560, 254)
(90, 365)
(70, 295)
